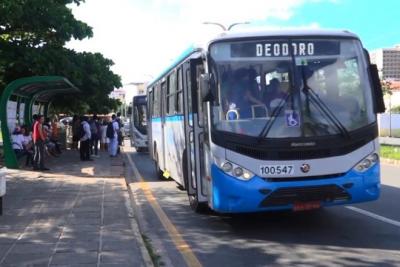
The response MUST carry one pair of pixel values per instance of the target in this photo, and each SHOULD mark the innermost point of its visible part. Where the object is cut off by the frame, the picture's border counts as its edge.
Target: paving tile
(78, 246)
(118, 257)
(81, 228)
(84, 221)
(120, 245)
(32, 247)
(27, 259)
(68, 258)
(4, 248)
(9, 237)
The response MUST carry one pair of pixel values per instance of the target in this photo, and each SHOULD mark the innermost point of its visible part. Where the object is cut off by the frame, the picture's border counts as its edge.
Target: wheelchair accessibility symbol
(292, 118)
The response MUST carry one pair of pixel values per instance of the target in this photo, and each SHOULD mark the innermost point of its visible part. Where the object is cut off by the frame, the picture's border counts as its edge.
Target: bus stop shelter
(21, 99)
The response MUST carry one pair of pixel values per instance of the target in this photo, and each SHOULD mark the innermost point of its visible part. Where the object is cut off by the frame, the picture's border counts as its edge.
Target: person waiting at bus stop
(38, 141)
(85, 136)
(113, 144)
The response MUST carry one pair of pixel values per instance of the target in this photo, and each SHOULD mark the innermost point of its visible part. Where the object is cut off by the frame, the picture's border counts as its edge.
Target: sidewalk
(389, 141)
(78, 214)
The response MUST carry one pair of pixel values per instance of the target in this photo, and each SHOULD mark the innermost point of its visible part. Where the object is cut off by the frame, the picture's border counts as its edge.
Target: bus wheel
(159, 172)
(196, 206)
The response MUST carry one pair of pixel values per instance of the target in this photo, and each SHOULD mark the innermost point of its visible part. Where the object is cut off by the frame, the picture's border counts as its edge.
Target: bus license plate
(277, 170)
(310, 205)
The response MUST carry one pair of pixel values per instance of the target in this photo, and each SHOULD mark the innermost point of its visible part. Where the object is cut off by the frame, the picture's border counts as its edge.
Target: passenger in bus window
(274, 94)
(241, 95)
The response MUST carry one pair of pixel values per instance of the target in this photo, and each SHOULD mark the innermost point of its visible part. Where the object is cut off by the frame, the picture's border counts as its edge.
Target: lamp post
(224, 27)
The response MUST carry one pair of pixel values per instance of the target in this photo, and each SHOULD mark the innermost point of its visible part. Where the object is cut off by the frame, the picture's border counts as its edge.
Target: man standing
(120, 136)
(113, 145)
(85, 136)
(95, 136)
(38, 141)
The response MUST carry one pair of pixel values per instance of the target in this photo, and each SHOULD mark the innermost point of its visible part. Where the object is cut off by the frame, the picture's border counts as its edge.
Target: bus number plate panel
(280, 170)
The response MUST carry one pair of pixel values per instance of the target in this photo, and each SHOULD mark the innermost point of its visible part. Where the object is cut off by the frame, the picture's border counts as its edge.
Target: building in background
(119, 94)
(388, 62)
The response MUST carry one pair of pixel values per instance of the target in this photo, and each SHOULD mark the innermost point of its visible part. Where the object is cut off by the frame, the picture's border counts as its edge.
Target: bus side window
(150, 103)
(189, 96)
(179, 95)
(163, 99)
(199, 71)
(171, 94)
(155, 102)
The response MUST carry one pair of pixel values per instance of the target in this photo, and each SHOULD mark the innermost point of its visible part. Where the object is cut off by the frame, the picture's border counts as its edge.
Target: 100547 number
(277, 170)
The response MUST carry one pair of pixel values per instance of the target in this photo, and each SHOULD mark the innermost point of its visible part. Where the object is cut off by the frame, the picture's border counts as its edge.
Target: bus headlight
(227, 167)
(367, 163)
(233, 169)
(238, 171)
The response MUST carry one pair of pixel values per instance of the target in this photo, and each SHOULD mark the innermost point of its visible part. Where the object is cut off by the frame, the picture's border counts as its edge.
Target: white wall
(387, 121)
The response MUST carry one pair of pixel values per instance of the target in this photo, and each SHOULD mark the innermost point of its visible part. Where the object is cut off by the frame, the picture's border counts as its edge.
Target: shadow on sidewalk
(69, 163)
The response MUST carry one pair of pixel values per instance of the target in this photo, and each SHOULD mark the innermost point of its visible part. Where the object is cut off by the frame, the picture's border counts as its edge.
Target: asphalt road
(367, 234)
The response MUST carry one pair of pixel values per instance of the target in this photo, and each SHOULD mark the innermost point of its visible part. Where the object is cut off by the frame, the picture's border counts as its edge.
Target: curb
(394, 162)
(135, 224)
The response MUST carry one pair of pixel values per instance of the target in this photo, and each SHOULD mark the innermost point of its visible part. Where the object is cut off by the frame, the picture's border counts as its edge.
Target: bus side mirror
(205, 88)
(379, 106)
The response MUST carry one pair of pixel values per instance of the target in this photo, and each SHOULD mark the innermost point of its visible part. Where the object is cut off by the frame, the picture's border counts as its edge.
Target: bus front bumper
(231, 195)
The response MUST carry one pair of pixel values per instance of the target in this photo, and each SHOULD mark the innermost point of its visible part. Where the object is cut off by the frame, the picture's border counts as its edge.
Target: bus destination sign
(284, 49)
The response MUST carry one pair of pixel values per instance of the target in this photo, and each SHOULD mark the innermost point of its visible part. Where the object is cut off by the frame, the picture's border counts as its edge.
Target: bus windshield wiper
(268, 125)
(316, 100)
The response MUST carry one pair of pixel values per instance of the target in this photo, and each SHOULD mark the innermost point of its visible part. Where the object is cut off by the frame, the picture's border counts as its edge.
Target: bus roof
(284, 33)
(253, 34)
(190, 50)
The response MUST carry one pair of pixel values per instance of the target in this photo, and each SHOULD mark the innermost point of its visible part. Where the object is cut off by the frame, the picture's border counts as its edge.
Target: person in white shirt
(113, 144)
(19, 145)
(85, 136)
(17, 142)
(28, 144)
(104, 140)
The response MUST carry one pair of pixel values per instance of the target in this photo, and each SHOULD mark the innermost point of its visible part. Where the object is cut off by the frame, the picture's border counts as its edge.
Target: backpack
(93, 127)
(110, 131)
(81, 131)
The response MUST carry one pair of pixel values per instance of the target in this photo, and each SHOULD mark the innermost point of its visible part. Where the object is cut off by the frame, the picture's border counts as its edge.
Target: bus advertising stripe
(175, 236)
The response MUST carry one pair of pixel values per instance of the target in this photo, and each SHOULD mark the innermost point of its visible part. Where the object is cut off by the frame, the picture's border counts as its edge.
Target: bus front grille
(290, 195)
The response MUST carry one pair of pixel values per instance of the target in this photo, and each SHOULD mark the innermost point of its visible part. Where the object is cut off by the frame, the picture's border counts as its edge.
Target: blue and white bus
(269, 121)
(138, 125)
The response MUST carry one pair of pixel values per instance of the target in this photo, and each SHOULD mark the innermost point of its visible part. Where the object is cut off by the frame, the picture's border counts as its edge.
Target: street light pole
(223, 27)
(237, 23)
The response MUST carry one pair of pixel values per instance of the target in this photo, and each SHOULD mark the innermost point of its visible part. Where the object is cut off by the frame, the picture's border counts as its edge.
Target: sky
(143, 36)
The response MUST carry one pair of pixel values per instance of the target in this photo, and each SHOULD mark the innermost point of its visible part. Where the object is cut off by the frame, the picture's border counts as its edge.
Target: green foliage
(395, 109)
(32, 38)
(386, 87)
(390, 152)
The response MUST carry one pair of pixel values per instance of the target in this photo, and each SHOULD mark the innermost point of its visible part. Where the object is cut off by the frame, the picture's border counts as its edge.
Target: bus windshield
(139, 116)
(291, 88)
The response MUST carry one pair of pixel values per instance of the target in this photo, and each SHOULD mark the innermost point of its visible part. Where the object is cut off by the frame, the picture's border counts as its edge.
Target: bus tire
(196, 206)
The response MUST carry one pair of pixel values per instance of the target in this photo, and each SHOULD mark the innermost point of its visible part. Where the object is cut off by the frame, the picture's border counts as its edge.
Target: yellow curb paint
(175, 236)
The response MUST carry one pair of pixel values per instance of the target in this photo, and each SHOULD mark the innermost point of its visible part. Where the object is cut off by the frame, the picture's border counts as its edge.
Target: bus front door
(192, 158)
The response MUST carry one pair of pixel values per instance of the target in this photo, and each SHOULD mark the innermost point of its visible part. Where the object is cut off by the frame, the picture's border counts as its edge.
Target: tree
(32, 38)
(386, 87)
